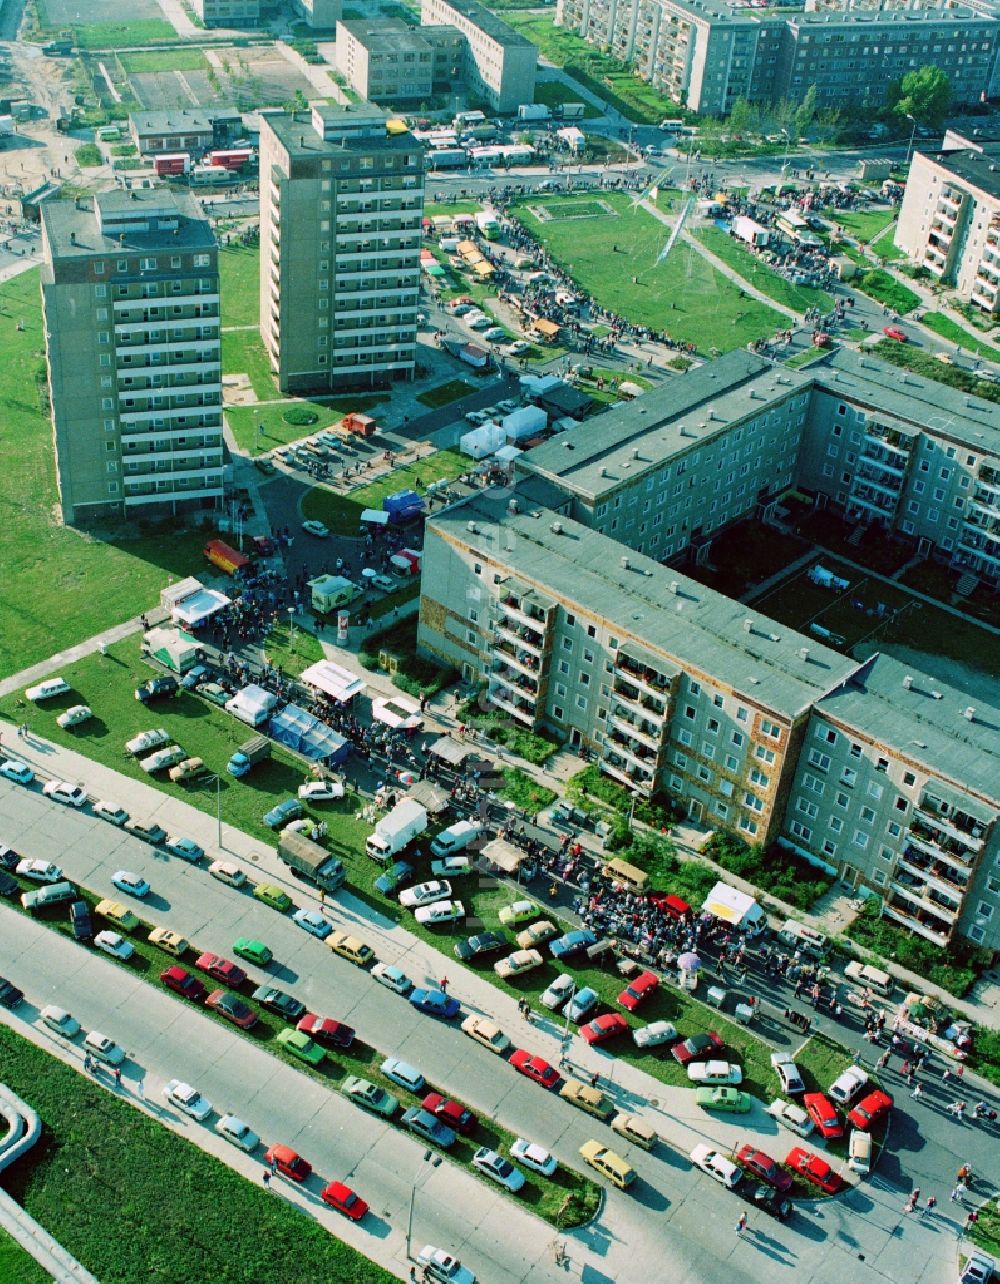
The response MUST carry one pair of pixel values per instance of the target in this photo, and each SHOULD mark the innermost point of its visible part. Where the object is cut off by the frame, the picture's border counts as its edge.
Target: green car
(300, 1045)
(370, 1096)
(245, 947)
(273, 896)
(724, 1099)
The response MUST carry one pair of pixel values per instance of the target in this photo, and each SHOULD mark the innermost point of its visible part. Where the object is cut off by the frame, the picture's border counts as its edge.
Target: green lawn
(292, 654)
(553, 93)
(392, 601)
(16, 1264)
(886, 289)
(118, 35)
(433, 208)
(342, 514)
(525, 792)
(89, 156)
(683, 295)
(178, 1212)
(757, 273)
(804, 358)
(954, 333)
(163, 60)
(444, 393)
(239, 268)
(243, 353)
(51, 574)
(863, 225)
(277, 431)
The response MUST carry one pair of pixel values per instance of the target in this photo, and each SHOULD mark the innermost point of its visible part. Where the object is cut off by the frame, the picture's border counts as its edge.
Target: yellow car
(118, 914)
(634, 1128)
(590, 1099)
(172, 942)
(608, 1164)
(351, 947)
(486, 1033)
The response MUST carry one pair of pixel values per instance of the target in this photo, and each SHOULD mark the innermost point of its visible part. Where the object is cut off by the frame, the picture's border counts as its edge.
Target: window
(732, 763)
(875, 790)
(202, 260)
(829, 847)
(581, 702)
(695, 688)
(758, 777)
(685, 737)
(813, 784)
(704, 774)
(680, 760)
(849, 777)
(471, 637)
(742, 714)
(713, 726)
(567, 644)
(721, 809)
(763, 755)
(747, 825)
(690, 712)
(860, 839)
(835, 823)
(855, 751)
(726, 788)
(893, 830)
(584, 679)
(821, 760)
(752, 801)
(807, 808)
(842, 799)
(100, 291)
(801, 831)
(738, 738)
(560, 689)
(901, 803)
(868, 815)
(909, 778)
(984, 909)
(827, 734)
(564, 666)
(718, 701)
(771, 729)
(557, 713)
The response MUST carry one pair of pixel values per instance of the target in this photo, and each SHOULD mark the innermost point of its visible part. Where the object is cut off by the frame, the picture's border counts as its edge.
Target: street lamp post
(428, 1157)
(218, 806)
(291, 624)
(913, 131)
(788, 143)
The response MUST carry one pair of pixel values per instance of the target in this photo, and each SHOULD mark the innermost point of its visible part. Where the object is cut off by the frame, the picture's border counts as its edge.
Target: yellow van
(631, 876)
(608, 1164)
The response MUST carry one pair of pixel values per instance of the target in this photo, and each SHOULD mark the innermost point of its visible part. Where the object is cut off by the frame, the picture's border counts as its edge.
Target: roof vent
(674, 587)
(748, 626)
(635, 452)
(775, 637)
(803, 653)
(472, 528)
(625, 563)
(969, 714)
(908, 682)
(604, 471)
(72, 238)
(556, 528)
(512, 506)
(936, 695)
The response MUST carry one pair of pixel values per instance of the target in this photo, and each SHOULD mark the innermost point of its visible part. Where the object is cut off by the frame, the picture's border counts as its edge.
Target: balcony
(888, 439)
(645, 733)
(505, 653)
(509, 705)
(640, 755)
(925, 840)
(644, 677)
(628, 694)
(210, 491)
(870, 503)
(936, 874)
(931, 929)
(964, 829)
(637, 778)
(525, 687)
(917, 889)
(165, 301)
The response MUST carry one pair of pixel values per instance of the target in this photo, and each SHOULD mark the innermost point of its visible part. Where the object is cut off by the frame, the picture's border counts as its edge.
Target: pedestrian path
(44, 668)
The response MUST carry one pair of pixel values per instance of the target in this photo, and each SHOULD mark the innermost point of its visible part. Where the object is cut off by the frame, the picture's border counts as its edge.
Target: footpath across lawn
(757, 273)
(178, 1214)
(342, 513)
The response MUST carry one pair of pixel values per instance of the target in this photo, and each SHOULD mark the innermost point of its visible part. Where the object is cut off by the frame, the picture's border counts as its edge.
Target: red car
(344, 1200)
(534, 1068)
(221, 969)
(233, 1009)
(697, 1048)
(894, 332)
(183, 983)
(823, 1115)
(453, 1113)
(672, 905)
(288, 1162)
(814, 1169)
(602, 1028)
(324, 1030)
(763, 1166)
(870, 1110)
(638, 990)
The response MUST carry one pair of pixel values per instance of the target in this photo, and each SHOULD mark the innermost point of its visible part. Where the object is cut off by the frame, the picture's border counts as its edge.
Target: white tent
(524, 422)
(339, 684)
(732, 906)
(375, 516)
(481, 441)
(572, 137)
(507, 454)
(173, 648)
(174, 593)
(252, 705)
(199, 606)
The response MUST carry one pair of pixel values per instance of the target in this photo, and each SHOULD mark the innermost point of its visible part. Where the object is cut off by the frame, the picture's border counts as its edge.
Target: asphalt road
(626, 1240)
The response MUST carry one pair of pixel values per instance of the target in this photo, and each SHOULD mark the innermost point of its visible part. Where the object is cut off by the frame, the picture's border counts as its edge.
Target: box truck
(395, 830)
(532, 111)
(247, 756)
(225, 558)
(310, 862)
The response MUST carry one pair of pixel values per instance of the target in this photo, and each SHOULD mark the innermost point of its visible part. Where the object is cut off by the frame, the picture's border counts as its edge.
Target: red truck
(364, 425)
(225, 558)
(234, 158)
(178, 163)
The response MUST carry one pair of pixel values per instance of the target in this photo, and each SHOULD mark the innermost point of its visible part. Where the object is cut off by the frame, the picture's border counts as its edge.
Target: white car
(19, 772)
(162, 759)
(110, 812)
(441, 1266)
(451, 866)
(59, 1020)
(495, 334)
(234, 1130)
(315, 528)
(425, 893)
(384, 583)
(652, 1035)
(392, 978)
(40, 871)
(847, 1085)
(792, 1116)
(130, 883)
(710, 1161)
(227, 872)
(714, 1074)
(115, 945)
(313, 922)
(788, 1074)
(103, 1048)
(487, 1033)
(508, 405)
(533, 1156)
(74, 716)
(502, 1171)
(188, 1099)
(147, 740)
(320, 790)
(440, 912)
(558, 992)
(48, 689)
(581, 1004)
(518, 346)
(517, 964)
(63, 791)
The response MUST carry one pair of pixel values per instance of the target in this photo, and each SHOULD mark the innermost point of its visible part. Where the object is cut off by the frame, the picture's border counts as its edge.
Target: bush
(592, 791)
(300, 416)
(886, 289)
(777, 871)
(954, 968)
(413, 675)
(89, 156)
(525, 793)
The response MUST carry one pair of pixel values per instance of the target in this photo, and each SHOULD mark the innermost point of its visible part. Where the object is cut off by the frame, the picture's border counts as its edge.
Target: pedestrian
(957, 1108)
(931, 1204)
(88, 1064)
(946, 1075)
(140, 1089)
(443, 984)
(274, 1166)
(266, 1178)
(741, 1225)
(593, 1080)
(904, 1069)
(961, 1190)
(917, 1092)
(971, 1220)
(956, 1193)
(964, 1173)
(118, 1077)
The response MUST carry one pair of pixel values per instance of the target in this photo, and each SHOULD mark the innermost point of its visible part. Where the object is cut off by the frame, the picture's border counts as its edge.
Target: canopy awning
(504, 855)
(450, 751)
(375, 516)
(199, 606)
(339, 684)
(731, 905)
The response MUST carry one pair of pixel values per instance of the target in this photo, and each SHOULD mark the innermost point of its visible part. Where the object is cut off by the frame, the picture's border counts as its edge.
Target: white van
(455, 838)
(865, 974)
(798, 937)
(48, 689)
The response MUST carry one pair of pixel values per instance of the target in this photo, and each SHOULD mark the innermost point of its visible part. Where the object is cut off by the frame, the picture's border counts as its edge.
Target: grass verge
(525, 792)
(756, 273)
(444, 393)
(954, 333)
(119, 35)
(243, 353)
(239, 270)
(16, 1264)
(163, 60)
(342, 513)
(275, 429)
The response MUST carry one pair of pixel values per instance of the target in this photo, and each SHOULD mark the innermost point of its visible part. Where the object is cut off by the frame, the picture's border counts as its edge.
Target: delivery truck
(310, 862)
(173, 163)
(533, 111)
(225, 558)
(247, 756)
(395, 830)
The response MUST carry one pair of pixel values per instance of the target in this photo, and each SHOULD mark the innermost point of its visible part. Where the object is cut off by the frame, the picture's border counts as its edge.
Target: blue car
(572, 943)
(396, 874)
(313, 922)
(19, 772)
(290, 809)
(435, 1003)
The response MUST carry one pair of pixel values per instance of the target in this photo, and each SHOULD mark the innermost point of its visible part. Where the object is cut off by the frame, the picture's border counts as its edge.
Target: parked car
(334, 1034)
(187, 1099)
(397, 874)
(111, 812)
(344, 1200)
(894, 332)
(519, 912)
(279, 1001)
(453, 1113)
(131, 884)
(535, 1068)
(638, 990)
(635, 1129)
(370, 1096)
(10, 995)
(572, 943)
(533, 1156)
(580, 1003)
(227, 872)
(39, 871)
(714, 1074)
(847, 1085)
(280, 815)
(870, 1110)
(19, 772)
(556, 994)
(592, 1100)
(608, 1163)
(313, 922)
(220, 969)
(233, 1009)
(699, 1046)
(440, 1266)
(170, 941)
(536, 933)
(726, 1099)
(788, 1074)
(115, 945)
(486, 1033)
(716, 1165)
(156, 689)
(517, 964)
(823, 1115)
(273, 896)
(75, 716)
(237, 1133)
(66, 793)
(183, 983)
(425, 1125)
(59, 1021)
(502, 1171)
(402, 1073)
(288, 1162)
(351, 948)
(760, 1164)
(103, 1048)
(435, 1003)
(117, 913)
(814, 1169)
(392, 977)
(603, 1028)
(792, 1116)
(80, 922)
(300, 1046)
(654, 1034)
(440, 913)
(186, 848)
(149, 833)
(474, 947)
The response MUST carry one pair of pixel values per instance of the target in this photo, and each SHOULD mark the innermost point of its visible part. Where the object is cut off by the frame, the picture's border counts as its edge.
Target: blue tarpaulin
(308, 736)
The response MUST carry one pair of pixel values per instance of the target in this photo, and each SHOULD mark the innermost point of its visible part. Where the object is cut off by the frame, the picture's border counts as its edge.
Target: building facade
(704, 55)
(384, 60)
(228, 13)
(341, 201)
(130, 290)
(183, 130)
(499, 64)
(949, 222)
(320, 15)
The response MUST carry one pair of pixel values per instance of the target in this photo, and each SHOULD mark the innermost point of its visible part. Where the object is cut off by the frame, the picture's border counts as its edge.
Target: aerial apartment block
(227, 13)
(130, 291)
(704, 54)
(384, 60)
(341, 201)
(500, 64)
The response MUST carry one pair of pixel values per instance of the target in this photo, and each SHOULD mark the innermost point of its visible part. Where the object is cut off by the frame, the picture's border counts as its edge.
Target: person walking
(741, 1225)
(266, 1178)
(917, 1092)
(957, 1108)
(956, 1193)
(930, 1205)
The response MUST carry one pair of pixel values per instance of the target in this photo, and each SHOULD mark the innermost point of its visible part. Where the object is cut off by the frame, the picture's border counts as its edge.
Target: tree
(806, 112)
(739, 116)
(924, 94)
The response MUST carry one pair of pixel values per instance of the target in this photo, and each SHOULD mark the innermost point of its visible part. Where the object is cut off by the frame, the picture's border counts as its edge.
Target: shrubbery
(775, 870)
(954, 969)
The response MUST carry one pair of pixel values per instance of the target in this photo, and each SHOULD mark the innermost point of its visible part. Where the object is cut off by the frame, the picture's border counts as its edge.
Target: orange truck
(225, 558)
(361, 424)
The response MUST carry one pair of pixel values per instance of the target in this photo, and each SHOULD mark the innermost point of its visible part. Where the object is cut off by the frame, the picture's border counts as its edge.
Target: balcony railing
(967, 831)
(917, 889)
(521, 636)
(936, 930)
(644, 676)
(936, 873)
(644, 733)
(924, 840)
(629, 775)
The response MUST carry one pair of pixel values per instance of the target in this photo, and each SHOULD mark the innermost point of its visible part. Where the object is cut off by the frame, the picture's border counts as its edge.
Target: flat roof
(923, 403)
(923, 720)
(694, 625)
(300, 138)
(488, 22)
(389, 34)
(73, 231)
(180, 119)
(886, 17)
(662, 423)
(973, 166)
